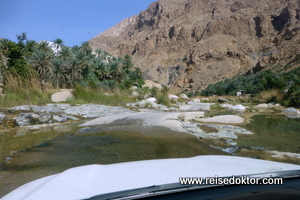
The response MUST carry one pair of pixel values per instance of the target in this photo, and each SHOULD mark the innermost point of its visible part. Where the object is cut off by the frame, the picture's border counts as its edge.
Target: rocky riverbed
(49, 135)
(190, 117)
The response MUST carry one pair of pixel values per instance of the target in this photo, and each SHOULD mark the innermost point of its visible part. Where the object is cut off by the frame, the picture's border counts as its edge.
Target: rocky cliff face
(189, 44)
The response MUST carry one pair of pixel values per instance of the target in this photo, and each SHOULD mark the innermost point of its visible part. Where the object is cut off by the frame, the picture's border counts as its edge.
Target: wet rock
(26, 119)
(222, 131)
(63, 118)
(21, 108)
(224, 119)
(231, 142)
(2, 116)
(45, 118)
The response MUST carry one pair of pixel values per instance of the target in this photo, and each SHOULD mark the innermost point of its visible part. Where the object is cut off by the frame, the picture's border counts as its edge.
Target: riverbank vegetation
(267, 86)
(30, 69)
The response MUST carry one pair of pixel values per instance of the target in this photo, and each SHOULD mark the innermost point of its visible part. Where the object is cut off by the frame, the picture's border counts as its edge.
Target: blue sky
(74, 21)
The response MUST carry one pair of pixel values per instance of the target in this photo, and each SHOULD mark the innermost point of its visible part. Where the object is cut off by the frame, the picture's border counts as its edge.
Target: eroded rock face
(189, 44)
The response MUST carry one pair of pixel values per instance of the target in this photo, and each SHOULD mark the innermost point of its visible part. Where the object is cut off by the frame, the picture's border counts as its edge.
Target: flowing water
(49, 150)
(52, 150)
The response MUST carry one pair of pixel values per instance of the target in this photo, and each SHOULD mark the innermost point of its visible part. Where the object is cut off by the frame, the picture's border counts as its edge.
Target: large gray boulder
(291, 111)
(61, 96)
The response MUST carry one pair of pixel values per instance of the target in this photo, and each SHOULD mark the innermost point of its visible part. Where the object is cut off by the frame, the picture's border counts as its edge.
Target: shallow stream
(34, 153)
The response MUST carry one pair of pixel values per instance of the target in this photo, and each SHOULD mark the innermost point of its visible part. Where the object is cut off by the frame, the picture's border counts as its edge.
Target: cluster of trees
(288, 85)
(62, 66)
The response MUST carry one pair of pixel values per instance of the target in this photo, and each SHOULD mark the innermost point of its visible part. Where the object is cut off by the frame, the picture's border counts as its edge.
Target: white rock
(133, 88)
(262, 105)
(233, 107)
(230, 119)
(185, 97)
(291, 111)
(186, 116)
(205, 99)
(173, 97)
(61, 96)
(196, 100)
(151, 99)
(231, 142)
(192, 106)
(238, 107)
(135, 94)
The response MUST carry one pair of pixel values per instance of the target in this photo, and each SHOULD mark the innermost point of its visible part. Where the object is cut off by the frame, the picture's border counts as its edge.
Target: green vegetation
(281, 87)
(100, 96)
(40, 66)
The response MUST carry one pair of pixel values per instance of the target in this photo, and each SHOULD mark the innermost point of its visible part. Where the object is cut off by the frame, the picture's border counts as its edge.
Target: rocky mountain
(189, 44)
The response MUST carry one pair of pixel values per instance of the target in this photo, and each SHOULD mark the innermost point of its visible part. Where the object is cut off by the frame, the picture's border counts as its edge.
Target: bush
(292, 97)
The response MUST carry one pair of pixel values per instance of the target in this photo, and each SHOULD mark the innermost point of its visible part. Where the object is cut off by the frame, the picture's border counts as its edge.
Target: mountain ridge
(191, 43)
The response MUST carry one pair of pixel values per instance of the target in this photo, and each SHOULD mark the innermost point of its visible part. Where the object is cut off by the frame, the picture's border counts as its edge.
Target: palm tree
(103, 55)
(41, 62)
(58, 44)
(127, 63)
(58, 72)
(44, 46)
(85, 47)
(74, 71)
(116, 69)
(65, 53)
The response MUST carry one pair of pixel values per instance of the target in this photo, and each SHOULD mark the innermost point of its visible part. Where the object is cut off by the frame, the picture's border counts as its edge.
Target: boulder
(238, 107)
(133, 88)
(222, 100)
(196, 100)
(151, 84)
(173, 97)
(61, 96)
(151, 99)
(262, 105)
(233, 107)
(291, 111)
(135, 94)
(185, 97)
